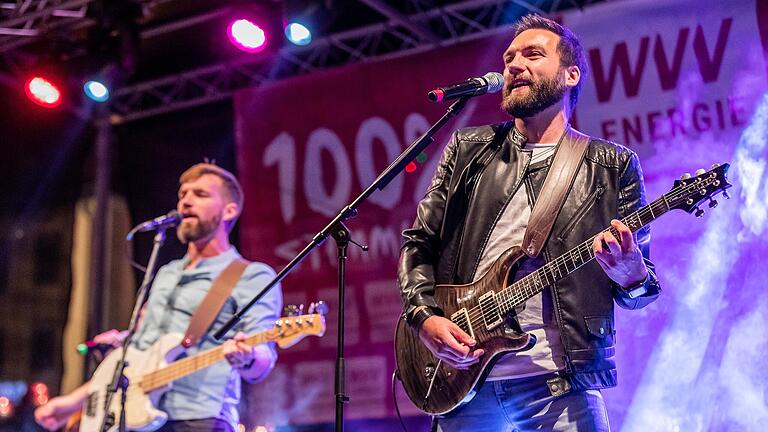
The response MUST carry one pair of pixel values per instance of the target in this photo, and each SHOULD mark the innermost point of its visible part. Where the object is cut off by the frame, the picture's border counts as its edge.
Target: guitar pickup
(461, 319)
(490, 310)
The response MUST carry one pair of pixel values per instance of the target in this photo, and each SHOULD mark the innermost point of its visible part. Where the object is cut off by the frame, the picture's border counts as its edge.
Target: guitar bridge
(461, 319)
(490, 310)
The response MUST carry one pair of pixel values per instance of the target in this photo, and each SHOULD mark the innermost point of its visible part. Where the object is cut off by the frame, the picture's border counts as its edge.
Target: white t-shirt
(538, 317)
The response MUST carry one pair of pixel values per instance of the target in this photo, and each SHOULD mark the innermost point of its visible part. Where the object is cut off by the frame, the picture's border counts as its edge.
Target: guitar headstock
(690, 192)
(289, 330)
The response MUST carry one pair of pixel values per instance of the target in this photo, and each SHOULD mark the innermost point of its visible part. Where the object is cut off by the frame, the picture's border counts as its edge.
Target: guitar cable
(394, 400)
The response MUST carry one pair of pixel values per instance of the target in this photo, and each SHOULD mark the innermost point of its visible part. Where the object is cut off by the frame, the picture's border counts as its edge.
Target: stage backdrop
(682, 83)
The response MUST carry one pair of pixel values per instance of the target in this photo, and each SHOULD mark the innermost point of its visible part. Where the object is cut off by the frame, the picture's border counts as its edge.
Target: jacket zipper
(588, 203)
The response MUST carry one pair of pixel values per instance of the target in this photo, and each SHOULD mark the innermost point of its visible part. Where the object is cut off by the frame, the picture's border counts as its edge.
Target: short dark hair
(570, 49)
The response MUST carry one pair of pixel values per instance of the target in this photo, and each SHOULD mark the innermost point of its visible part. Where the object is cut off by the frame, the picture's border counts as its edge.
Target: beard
(191, 232)
(542, 94)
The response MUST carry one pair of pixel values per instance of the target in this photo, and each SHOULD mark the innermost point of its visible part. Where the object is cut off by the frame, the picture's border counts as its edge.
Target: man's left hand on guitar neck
(251, 362)
(620, 259)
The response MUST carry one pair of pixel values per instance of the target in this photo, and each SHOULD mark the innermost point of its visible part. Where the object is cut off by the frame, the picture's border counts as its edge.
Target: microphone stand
(119, 380)
(336, 229)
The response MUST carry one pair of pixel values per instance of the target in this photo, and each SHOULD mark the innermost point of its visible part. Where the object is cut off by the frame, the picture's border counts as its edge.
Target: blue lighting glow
(298, 34)
(96, 91)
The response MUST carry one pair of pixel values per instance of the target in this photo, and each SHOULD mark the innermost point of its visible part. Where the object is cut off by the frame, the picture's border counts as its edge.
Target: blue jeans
(526, 404)
(202, 425)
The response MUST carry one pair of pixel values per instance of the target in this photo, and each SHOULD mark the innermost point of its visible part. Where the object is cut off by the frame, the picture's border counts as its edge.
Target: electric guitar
(485, 309)
(151, 372)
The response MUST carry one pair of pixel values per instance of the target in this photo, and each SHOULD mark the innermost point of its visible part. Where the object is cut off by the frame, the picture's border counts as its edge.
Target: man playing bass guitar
(479, 205)
(210, 200)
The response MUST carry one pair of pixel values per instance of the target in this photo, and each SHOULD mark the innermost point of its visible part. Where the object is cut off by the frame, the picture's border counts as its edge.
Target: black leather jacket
(478, 173)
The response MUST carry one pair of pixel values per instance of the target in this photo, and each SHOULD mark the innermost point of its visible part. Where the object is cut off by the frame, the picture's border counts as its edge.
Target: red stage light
(6, 407)
(42, 92)
(247, 36)
(410, 168)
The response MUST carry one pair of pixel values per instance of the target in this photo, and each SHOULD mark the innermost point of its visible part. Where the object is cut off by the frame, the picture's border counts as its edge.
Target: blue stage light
(96, 90)
(298, 34)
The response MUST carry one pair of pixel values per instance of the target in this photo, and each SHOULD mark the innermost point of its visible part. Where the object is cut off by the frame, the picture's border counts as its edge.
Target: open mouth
(186, 217)
(518, 83)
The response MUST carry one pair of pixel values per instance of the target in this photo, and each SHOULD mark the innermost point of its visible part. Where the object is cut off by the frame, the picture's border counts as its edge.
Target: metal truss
(404, 32)
(22, 21)
(416, 25)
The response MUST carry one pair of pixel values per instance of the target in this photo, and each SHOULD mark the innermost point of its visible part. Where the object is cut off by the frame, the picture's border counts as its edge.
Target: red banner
(306, 148)
(679, 88)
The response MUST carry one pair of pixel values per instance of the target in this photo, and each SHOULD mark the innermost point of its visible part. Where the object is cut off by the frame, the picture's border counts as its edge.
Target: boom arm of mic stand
(395, 168)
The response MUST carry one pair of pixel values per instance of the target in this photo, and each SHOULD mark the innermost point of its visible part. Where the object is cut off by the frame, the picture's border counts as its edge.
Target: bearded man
(479, 204)
(209, 200)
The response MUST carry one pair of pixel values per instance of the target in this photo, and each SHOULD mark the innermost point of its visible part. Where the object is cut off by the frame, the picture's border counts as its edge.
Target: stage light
(39, 394)
(247, 36)
(410, 168)
(96, 91)
(6, 407)
(298, 34)
(42, 92)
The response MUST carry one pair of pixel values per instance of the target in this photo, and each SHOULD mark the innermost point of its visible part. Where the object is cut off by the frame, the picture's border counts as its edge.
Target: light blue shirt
(174, 297)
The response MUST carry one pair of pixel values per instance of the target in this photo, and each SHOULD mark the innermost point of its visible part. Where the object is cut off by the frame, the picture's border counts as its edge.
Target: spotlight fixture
(247, 35)
(43, 92)
(96, 91)
(298, 34)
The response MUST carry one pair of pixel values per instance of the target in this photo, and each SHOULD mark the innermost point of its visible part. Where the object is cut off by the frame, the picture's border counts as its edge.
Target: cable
(394, 400)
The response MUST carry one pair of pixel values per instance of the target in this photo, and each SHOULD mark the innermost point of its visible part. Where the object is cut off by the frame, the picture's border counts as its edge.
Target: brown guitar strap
(562, 173)
(213, 301)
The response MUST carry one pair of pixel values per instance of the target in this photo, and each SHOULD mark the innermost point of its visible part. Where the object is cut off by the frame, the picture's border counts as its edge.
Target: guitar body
(151, 372)
(141, 413)
(437, 388)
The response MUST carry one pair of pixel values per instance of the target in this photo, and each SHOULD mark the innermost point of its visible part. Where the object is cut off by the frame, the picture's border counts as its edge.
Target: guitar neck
(188, 365)
(533, 283)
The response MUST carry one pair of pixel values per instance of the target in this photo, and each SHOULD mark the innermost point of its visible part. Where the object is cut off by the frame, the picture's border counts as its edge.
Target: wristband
(638, 289)
(418, 317)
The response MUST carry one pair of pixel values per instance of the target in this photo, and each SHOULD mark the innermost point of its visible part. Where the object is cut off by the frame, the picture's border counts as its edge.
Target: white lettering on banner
(282, 152)
(675, 122)
(668, 75)
(377, 129)
(318, 198)
(383, 241)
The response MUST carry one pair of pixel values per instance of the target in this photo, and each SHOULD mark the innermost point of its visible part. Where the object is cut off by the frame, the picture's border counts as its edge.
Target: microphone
(168, 220)
(491, 82)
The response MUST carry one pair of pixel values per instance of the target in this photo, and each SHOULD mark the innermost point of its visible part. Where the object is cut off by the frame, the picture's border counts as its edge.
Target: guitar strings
(180, 368)
(529, 281)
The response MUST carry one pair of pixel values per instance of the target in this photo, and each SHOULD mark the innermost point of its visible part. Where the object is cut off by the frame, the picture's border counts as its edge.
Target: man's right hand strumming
(449, 343)
(54, 414)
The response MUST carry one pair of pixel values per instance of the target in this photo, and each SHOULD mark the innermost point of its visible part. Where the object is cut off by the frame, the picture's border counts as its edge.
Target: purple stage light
(247, 36)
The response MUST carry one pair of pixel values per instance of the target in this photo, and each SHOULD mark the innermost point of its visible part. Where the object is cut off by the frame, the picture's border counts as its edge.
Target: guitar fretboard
(517, 293)
(188, 365)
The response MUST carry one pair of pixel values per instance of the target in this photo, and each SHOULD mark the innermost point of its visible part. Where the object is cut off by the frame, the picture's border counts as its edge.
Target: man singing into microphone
(479, 205)
(209, 200)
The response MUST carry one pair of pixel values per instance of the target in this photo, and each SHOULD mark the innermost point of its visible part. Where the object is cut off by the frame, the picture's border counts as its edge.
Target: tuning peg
(699, 212)
(319, 307)
(292, 310)
(726, 195)
(715, 165)
(712, 203)
(685, 176)
(700, 171)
